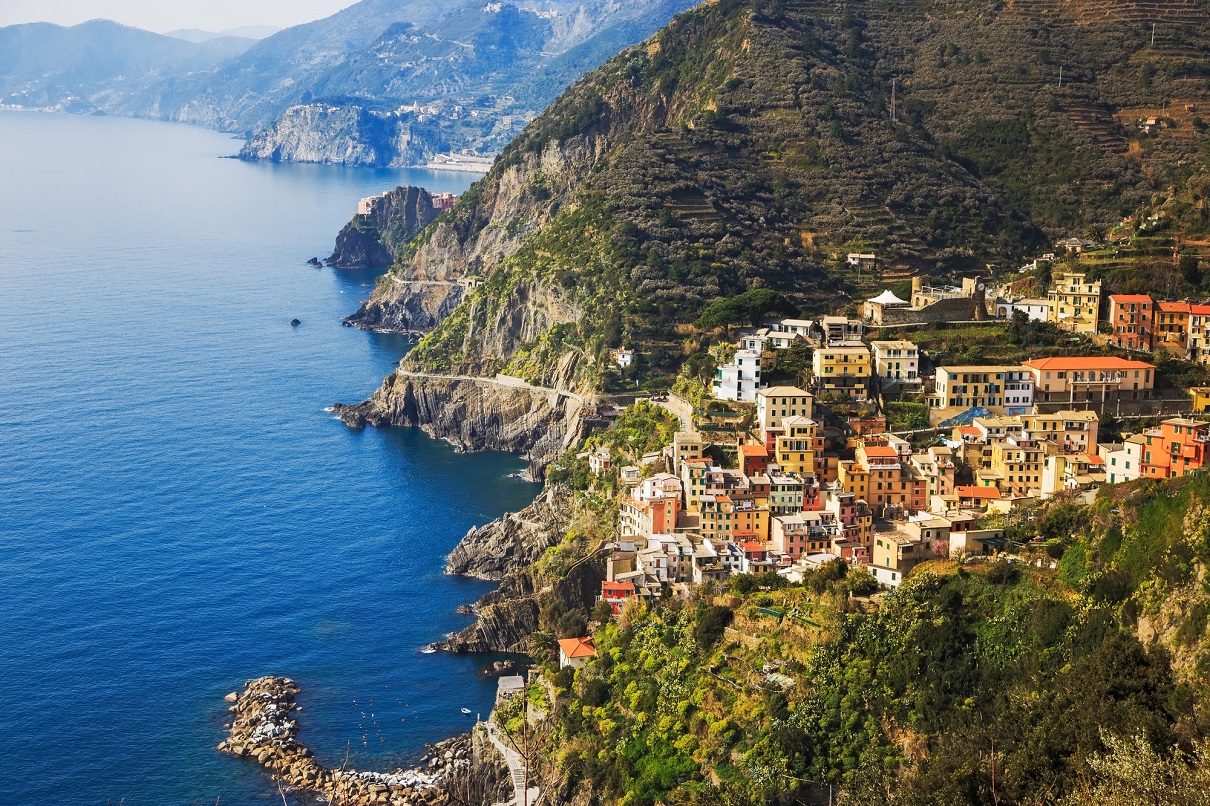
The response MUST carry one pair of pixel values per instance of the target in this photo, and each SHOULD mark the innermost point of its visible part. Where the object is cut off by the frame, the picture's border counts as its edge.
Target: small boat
(428, 650)
(466, 711)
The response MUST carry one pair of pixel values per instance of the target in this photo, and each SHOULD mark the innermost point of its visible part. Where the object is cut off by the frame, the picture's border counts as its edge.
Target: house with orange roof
(1180, 446)
(1131, 317)
(753, 459)
(1171, 324)
(970, 497)
(1073, 379)
(575, 652)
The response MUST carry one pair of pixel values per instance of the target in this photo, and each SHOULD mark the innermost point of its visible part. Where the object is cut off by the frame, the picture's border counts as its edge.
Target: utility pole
(1153, 34)
(1060, 76)
(894, 86)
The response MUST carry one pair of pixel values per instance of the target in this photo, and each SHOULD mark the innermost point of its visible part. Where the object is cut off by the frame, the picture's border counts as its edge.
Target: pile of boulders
(263, 730)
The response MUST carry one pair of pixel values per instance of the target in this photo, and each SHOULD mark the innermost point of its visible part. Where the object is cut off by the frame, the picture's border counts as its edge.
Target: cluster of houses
(845, 365)
(785, 504)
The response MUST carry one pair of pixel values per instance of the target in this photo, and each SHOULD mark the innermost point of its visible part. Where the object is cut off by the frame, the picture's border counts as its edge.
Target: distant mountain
(254, 32)
(75, 68)
(473, 73)
(383, 82)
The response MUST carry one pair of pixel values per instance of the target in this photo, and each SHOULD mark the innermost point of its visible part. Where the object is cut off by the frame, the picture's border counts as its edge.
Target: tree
(747, 308)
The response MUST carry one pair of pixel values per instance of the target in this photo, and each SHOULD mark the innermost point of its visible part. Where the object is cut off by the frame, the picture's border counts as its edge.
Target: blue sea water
(177, 512)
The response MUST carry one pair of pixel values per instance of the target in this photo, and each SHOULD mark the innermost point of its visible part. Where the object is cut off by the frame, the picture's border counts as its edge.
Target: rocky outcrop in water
(375, 240)
(264, 730)
(514, 540)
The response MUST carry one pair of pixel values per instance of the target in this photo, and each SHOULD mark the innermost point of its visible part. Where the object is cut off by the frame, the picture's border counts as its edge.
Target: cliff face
(476, 414)
(510, 614)
(489, 224)
(336, 135)
(515, 540)
(376, 239)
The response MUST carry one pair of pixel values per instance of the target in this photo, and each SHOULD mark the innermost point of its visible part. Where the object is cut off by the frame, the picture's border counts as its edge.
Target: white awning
(888, 298)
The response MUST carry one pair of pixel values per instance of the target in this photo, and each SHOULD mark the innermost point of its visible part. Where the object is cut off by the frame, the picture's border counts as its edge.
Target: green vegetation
(991, 683)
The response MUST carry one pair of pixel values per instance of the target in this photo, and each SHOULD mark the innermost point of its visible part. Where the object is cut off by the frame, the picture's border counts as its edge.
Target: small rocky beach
(264, 729)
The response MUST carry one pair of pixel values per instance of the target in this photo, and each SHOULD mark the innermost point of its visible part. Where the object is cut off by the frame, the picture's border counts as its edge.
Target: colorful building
(999, 387)
(1075, 303)
(1091, 379)
(1131, 317)
(1177, 448)
(775, 403)
(842, 369)
(897, 361)
(1172, 327)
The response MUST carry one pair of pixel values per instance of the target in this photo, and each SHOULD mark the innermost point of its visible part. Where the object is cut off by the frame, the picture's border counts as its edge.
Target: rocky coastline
(264, 729)
(377, 238)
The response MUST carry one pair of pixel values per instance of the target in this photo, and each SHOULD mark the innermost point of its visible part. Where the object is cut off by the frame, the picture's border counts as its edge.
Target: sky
(170, 15)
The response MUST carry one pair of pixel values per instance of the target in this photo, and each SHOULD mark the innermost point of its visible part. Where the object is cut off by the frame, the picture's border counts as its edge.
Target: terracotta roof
(753, 450)
(1120, 298)
(617, 587)
(752, 546)
(1173, 307)
(1087, 362)
(977, 492)
(882, 451)
(1199, 310)
(577, 647)
(969, 429)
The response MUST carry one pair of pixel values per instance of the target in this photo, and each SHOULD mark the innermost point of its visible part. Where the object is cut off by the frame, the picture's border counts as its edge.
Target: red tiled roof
(1088, 362)
(1127, 298)
(752, 545)
(881, 451)
(1174, 307)
(577, 647)
(969, 429)
(977, 492)
(1199, 310)
(617, 587)
(753, 450)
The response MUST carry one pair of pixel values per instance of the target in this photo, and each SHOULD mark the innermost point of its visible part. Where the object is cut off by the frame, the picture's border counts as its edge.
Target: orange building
(1178, 447)
(1130, 316)
(1172, 327)
(1090, 379)
(754, 459)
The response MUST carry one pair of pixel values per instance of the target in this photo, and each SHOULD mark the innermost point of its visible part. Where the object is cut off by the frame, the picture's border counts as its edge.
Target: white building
(1038, 310)
(739, 379)
(1125, 463)
(897, 360)
(625, 358)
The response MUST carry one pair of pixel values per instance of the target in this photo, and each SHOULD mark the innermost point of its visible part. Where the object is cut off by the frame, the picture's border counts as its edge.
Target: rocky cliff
(476, 414)
(376, 239)
(337, 135)
(509, 615)
(515, 540)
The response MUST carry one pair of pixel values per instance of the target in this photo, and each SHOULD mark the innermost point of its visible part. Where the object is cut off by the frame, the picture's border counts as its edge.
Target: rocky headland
(337, 135)
(376, 239)
(514, 540)
(264, 729)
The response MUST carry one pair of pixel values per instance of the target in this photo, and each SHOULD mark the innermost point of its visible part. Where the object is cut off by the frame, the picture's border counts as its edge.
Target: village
(787, 486)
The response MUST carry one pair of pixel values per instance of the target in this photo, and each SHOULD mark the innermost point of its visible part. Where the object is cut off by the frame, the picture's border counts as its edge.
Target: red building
(754, 459)
(616, 593)
(1131, 316)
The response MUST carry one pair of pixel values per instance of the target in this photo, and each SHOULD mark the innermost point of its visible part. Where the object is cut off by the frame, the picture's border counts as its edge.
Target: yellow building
(1201, 399)
(1070, 431)
(1075, 303)
(725, 517)
(990, 387)
(1016, 467)
(796, 448)
(843, 369)
(775, 403)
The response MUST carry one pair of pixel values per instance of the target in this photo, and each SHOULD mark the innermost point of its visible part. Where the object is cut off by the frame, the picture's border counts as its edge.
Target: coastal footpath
(264, 729)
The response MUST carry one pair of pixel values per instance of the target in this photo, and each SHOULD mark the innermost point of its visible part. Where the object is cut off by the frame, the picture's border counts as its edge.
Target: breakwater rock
(264, 729)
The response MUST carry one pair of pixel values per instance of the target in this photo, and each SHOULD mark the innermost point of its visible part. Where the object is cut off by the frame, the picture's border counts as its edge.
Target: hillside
(48, 66)
(979, 684)
(753, 144)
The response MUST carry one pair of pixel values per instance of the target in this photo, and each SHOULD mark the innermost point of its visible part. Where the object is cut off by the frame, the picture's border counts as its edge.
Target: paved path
(516, 769)
(401, 281)
(501, 380)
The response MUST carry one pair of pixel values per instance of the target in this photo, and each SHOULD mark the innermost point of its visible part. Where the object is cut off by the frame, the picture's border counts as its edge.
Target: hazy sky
(169, 15)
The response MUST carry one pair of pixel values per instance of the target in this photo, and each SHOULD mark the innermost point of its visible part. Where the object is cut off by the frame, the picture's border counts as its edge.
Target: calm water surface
(177, 512)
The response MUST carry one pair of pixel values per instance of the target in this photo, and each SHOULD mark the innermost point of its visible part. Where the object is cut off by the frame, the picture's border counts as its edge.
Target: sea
(178, 512)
